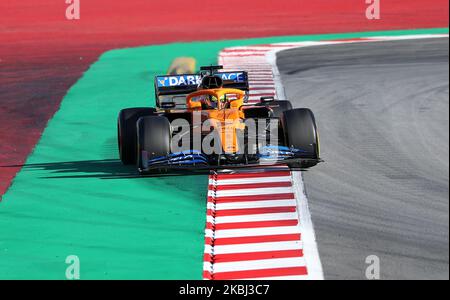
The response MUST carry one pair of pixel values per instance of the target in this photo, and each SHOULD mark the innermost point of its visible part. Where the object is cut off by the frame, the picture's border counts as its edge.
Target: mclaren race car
(204, 121)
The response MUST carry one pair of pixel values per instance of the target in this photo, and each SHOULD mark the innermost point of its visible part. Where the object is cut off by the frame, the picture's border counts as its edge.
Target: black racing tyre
(126, 132)
(280, 106)
(300, 132)
(153, 136)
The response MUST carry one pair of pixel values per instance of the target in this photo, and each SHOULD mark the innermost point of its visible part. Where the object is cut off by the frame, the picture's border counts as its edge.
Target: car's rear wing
(177, 85)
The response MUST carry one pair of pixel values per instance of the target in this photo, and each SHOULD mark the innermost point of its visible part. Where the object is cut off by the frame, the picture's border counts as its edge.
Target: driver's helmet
(211, 82)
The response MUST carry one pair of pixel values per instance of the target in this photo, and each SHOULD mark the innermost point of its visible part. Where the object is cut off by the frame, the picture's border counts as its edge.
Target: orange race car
(203, 121)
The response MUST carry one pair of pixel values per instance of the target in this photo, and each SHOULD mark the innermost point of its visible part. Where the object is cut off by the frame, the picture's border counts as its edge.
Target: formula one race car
(204, 121)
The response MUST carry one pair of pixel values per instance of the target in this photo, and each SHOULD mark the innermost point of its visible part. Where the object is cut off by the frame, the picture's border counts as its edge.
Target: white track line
(252, 192)
(259, 264)
(228, 233)
(255, 204)
(258, 247)
(252, 180)
(253, 218)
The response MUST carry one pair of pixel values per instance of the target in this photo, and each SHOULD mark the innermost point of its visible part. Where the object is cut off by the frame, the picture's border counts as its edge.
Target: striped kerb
(252, 229)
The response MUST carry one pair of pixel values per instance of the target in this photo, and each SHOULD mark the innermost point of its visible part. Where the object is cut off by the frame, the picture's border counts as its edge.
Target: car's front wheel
(126, 132)
(153, 137)
(300, 132)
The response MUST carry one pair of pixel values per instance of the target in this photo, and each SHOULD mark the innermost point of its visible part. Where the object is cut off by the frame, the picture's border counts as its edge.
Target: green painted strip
(73, 197)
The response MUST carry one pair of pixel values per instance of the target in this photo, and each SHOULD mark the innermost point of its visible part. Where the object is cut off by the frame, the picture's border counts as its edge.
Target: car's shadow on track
(101, 169)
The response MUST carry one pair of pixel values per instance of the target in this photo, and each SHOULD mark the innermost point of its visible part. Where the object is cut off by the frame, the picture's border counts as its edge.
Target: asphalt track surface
(382, 110)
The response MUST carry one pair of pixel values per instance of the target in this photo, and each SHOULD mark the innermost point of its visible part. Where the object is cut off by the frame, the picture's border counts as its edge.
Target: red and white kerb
(252, 229)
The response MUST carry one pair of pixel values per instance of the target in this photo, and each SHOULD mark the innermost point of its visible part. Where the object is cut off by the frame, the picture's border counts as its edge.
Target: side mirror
(267, 99)
(168, 105)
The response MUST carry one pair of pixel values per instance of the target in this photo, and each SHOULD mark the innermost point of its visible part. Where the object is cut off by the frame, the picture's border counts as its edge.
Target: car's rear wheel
(153, 137)
(126, 132)
(300, 132)
(280, 106)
